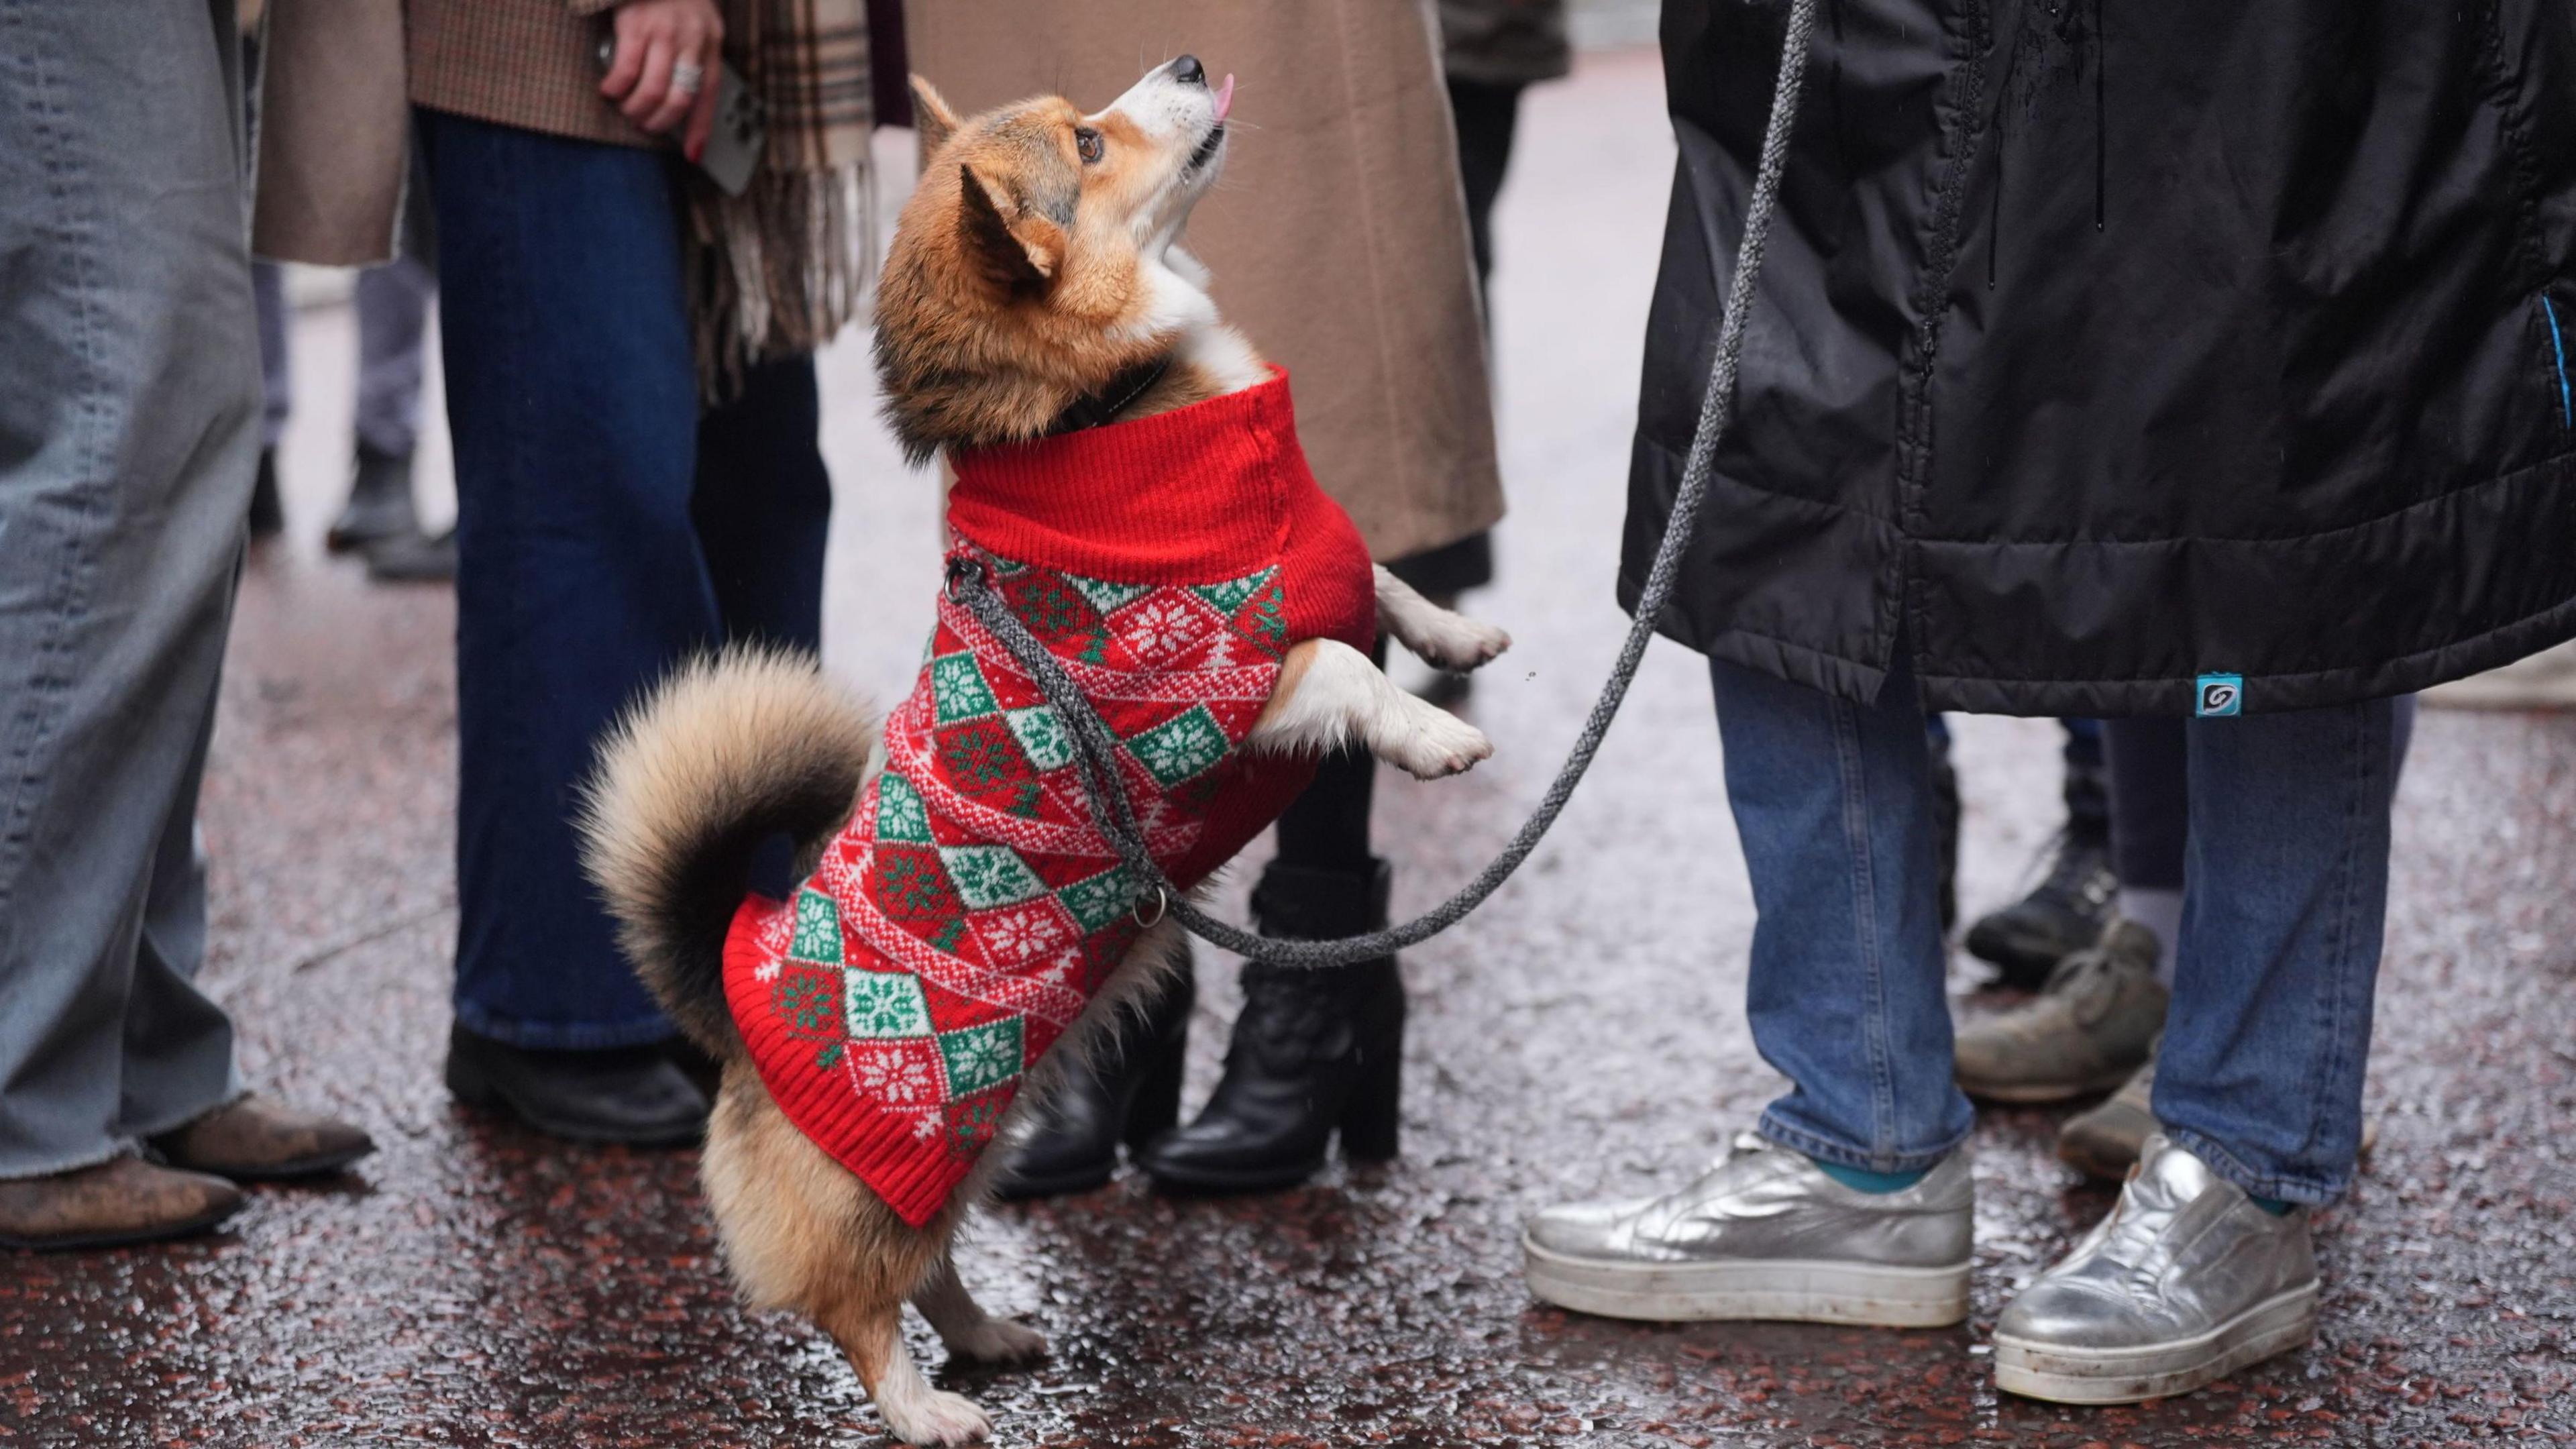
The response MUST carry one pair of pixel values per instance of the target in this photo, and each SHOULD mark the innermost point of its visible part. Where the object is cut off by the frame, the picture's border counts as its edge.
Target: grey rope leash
(1096, 750)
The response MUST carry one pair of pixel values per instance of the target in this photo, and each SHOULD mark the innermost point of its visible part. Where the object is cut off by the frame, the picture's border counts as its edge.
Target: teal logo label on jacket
(2219, 695)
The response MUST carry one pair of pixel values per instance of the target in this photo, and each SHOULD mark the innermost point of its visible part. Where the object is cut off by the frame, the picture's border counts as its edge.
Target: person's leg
(393, 318)
(580, 576)
(1313, 1051)
(2066, 910)
(276, 372)
(127, 343)
(393, 323)
(2100, 1004)
(1833, 801)
(1486, 115)
(2260, 1074)
(129, 382)
(2150, 823)
(1945, 819)
(393, 314)
(178, 1044)
(763, 505)
(2258, 1089)
(1851, 1202)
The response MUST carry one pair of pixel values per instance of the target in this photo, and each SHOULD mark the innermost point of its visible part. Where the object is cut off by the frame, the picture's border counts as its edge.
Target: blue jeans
(129, 429)
(2261, 1068)
(604, 531)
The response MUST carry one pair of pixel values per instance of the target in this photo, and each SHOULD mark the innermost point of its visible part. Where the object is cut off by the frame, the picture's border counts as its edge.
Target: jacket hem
(2118, 698)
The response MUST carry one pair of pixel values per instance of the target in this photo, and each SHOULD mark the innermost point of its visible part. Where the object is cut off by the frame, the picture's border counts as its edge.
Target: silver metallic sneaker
(1764, 1234)
(2184, 1283)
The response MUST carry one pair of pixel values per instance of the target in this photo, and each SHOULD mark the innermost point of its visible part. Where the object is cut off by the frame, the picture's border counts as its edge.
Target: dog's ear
(931, 115)
(1017, 249)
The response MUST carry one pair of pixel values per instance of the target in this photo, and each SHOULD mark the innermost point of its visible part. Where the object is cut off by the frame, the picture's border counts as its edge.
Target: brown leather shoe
(254, 1140)
(124, 1200)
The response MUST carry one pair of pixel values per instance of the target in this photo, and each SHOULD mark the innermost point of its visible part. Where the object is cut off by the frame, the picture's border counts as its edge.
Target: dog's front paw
(934, 1417)
(1459, 644)
(1440, 744)
(1000, 1340)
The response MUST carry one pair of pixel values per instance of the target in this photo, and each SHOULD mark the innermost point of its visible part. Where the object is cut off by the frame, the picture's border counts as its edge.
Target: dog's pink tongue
(1225, 98)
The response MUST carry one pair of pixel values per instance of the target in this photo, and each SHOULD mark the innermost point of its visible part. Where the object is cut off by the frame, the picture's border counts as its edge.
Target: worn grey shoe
(2185, 1282)
(2093, 1025)
(2105, 1141)
(1764, 1234)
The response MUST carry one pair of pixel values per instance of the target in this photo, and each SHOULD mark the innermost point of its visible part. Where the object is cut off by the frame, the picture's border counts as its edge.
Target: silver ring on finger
(686, 77)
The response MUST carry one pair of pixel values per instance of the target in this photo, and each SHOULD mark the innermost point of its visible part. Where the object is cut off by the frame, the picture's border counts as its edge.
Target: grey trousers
(393, 313)
(129, 427)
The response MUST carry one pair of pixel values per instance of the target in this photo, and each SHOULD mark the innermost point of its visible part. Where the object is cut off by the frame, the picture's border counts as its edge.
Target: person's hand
(669, 54)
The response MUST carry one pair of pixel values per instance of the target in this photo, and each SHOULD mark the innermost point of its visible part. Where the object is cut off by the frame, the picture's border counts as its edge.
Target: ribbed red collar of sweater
(1198, 493)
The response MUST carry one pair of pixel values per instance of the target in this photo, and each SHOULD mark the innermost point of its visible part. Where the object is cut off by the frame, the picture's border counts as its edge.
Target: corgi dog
(1129, 483)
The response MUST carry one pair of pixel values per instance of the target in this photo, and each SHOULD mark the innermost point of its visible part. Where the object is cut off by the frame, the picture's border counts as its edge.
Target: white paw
(1440, 744)
(1458, 644)
(933, 1417)
(1000, 1340)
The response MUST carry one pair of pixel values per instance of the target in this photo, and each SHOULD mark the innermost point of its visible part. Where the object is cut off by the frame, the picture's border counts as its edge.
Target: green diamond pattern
(1102, 898)
(880, 1004)
(1107, 596)
(818, 929)
(1042, 736)
(1229, 597)
(900, 813)
(1181, 746)
(981, 1056)
(990, 875)
(957, 687)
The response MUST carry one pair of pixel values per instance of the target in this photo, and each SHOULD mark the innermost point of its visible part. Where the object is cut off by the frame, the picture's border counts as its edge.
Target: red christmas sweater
(966, 915)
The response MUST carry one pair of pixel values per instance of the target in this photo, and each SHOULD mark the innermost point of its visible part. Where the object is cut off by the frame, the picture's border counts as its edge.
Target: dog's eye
(1087, 143)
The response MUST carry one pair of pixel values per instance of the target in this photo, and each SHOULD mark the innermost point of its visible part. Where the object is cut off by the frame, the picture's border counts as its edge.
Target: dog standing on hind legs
(1129, 481)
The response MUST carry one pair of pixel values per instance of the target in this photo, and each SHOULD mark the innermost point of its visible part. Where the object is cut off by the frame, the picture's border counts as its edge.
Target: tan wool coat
(1338, 236)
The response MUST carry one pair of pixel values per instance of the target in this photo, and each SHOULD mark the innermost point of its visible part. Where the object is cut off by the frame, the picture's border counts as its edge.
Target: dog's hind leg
(965, 1327)
(1330, 694)
(1442, 638)
(802, 1233)
(871, 1333)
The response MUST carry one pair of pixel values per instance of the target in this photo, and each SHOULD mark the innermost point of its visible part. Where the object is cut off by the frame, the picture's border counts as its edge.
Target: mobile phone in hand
(734, 144)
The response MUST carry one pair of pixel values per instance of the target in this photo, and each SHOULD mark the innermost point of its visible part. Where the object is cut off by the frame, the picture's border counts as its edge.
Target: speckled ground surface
(473, 1284)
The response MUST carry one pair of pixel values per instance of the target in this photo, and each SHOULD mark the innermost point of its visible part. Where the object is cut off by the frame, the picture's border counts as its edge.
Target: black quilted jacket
(2108, 347)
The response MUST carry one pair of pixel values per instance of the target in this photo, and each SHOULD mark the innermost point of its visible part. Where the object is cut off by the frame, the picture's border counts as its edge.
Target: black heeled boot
(1313, 1052)
(1130, 1092)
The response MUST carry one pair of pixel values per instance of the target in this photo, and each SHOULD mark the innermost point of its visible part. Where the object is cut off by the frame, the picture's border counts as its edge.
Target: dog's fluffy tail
(731, 750)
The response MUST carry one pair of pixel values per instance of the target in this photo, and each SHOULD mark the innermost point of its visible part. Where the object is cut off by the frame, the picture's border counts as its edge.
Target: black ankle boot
(1129, 1092)
(632, 1095)
(379, 505)
(2077, 895)
(1313, 1051)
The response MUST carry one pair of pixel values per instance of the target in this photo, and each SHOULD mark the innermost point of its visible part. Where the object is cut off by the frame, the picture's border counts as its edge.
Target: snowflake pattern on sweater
(962, 920)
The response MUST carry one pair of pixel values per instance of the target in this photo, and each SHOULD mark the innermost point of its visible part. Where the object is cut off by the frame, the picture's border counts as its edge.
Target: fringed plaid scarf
(776, 271)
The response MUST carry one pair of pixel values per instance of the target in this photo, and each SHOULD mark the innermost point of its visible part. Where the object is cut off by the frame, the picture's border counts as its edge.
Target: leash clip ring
(1162, 904)
(962, 568)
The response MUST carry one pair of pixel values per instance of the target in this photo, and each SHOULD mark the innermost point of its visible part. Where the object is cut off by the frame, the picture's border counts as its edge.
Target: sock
(1862, 1180)
(2273, 1205)
(2159, 911)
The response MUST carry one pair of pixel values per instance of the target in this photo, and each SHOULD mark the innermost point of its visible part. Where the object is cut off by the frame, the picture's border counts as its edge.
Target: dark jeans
(604, 531)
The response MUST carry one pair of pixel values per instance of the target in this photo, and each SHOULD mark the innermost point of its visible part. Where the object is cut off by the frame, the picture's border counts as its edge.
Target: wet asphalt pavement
(475, 1284)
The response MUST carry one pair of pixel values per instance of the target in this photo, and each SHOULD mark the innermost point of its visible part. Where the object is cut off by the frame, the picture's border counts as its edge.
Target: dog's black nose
(1188, 71)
